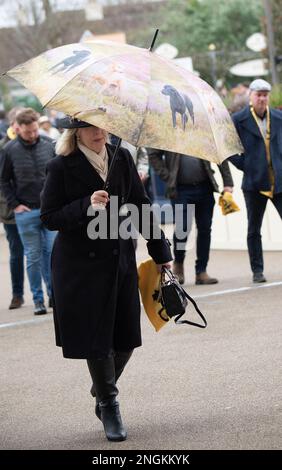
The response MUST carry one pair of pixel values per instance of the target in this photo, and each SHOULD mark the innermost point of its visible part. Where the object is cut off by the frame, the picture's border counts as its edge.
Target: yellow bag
(227, 204)
(149, 286)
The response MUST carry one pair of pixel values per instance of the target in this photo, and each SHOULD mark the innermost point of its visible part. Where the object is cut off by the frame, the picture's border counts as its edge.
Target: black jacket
(168, 168)
(96, 303)
(253, 162)
(23, 170)
(7, 215)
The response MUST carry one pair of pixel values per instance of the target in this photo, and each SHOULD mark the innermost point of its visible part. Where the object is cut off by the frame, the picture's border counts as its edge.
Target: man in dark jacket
(7, 217)
(22, 178)
(260, 131)
(190, 181)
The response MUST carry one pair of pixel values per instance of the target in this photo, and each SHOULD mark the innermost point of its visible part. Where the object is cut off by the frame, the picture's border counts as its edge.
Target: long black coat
(95, 284)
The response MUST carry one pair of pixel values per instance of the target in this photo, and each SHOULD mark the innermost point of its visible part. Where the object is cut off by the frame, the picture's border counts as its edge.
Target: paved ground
(186, 388)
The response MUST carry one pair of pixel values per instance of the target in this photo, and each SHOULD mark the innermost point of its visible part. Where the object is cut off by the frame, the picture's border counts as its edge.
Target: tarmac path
(186, 388)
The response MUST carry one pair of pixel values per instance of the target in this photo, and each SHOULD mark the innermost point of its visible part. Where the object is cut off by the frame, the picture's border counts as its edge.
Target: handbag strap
(178, 321)
(177, 318)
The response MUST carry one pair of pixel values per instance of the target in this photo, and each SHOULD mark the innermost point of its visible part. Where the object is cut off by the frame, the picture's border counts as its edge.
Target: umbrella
(135, 94)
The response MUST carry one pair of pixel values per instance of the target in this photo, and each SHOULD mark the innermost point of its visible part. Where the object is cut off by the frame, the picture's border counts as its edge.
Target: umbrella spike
(154, 40)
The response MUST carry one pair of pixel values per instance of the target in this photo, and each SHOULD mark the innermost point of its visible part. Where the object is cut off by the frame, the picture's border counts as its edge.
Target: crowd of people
(52, 176)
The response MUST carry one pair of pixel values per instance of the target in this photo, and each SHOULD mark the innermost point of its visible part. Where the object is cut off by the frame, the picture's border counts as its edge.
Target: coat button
(115, 251)
(92, 254)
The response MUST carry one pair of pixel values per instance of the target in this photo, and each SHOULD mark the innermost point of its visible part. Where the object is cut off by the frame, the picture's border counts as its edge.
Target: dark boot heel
(111, 419)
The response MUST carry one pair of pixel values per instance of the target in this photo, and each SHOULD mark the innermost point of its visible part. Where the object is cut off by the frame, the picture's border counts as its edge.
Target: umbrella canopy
(135, 94)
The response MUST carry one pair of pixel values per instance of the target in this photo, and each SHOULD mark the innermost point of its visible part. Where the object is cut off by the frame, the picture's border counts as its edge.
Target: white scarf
(98, 160)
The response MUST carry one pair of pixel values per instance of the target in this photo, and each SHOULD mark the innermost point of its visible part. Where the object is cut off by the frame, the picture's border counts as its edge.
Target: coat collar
(26, 144)
(83, 169)
(249, 123)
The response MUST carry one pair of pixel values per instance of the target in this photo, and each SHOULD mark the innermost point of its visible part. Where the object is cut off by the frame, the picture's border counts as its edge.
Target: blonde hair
(67, 143)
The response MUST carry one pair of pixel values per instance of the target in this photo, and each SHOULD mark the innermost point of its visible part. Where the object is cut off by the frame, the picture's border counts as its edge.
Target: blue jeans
(256, 205)
(38, 243)
(16, 259)
(201, 196)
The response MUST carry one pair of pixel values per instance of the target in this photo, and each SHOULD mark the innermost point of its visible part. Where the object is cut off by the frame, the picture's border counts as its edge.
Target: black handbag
(175, 299)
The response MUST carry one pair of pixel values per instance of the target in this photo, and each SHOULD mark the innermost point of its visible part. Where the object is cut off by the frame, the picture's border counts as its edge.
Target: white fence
(230, 232)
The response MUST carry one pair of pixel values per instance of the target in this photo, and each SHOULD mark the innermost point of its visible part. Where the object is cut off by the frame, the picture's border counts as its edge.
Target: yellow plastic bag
(227, 203)
(149, 285)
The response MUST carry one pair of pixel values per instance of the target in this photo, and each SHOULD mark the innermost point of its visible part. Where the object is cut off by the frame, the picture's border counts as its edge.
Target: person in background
(46, 128)
(3, 123)
(240, 95)
(7, 217)
(22, 178)
(260, 130)
(95, 282)
(191, 181)
(139, 155)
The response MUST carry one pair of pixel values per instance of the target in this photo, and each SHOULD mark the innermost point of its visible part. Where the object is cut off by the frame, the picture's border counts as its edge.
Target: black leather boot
(111, 419)
(121, 358)
(107, 408)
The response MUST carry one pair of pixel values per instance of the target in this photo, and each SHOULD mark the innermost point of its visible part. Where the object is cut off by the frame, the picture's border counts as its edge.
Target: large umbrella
(135, 94)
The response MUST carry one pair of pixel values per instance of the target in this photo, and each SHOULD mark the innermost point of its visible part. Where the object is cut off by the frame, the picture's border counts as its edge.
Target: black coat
(23, 170)
(167, 169)
(253, 162)
(95, 284)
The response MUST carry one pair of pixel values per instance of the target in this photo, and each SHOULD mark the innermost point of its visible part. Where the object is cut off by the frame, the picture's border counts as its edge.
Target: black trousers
(256, 205)
(193, 200)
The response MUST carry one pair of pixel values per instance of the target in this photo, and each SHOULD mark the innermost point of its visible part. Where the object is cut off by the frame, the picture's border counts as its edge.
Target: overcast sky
(9, 8)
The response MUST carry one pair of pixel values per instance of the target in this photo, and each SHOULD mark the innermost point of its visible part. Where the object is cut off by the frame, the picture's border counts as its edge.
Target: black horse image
(71, 61)
(179, 102)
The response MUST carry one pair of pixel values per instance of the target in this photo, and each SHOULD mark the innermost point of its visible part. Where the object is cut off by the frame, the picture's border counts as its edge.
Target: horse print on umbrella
(179, 102)
(72, 61)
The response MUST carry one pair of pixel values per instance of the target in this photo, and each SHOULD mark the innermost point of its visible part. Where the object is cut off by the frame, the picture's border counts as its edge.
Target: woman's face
(92, 137)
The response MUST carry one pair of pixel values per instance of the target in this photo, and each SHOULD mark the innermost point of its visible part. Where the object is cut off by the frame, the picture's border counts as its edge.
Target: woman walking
(95, 284)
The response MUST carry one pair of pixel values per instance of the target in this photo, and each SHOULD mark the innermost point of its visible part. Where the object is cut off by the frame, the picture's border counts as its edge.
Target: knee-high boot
(121, 358)
(103, 376)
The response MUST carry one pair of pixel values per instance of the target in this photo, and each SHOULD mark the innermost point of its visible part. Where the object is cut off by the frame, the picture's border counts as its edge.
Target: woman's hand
(99, 199)
(165, 265)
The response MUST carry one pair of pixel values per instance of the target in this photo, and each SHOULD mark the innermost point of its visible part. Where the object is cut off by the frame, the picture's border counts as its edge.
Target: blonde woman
(95, 285)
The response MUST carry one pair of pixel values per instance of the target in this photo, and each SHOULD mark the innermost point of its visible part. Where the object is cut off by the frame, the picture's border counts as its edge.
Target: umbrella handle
(107, 182)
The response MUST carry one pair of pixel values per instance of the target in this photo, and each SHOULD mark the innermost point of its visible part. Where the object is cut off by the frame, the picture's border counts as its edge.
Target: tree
(39, 26)
(192, 25)
(277, 21)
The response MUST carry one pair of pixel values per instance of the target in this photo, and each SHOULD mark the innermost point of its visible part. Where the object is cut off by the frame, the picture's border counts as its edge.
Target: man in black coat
(22, 178)
(260, 130)
(190, 183)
